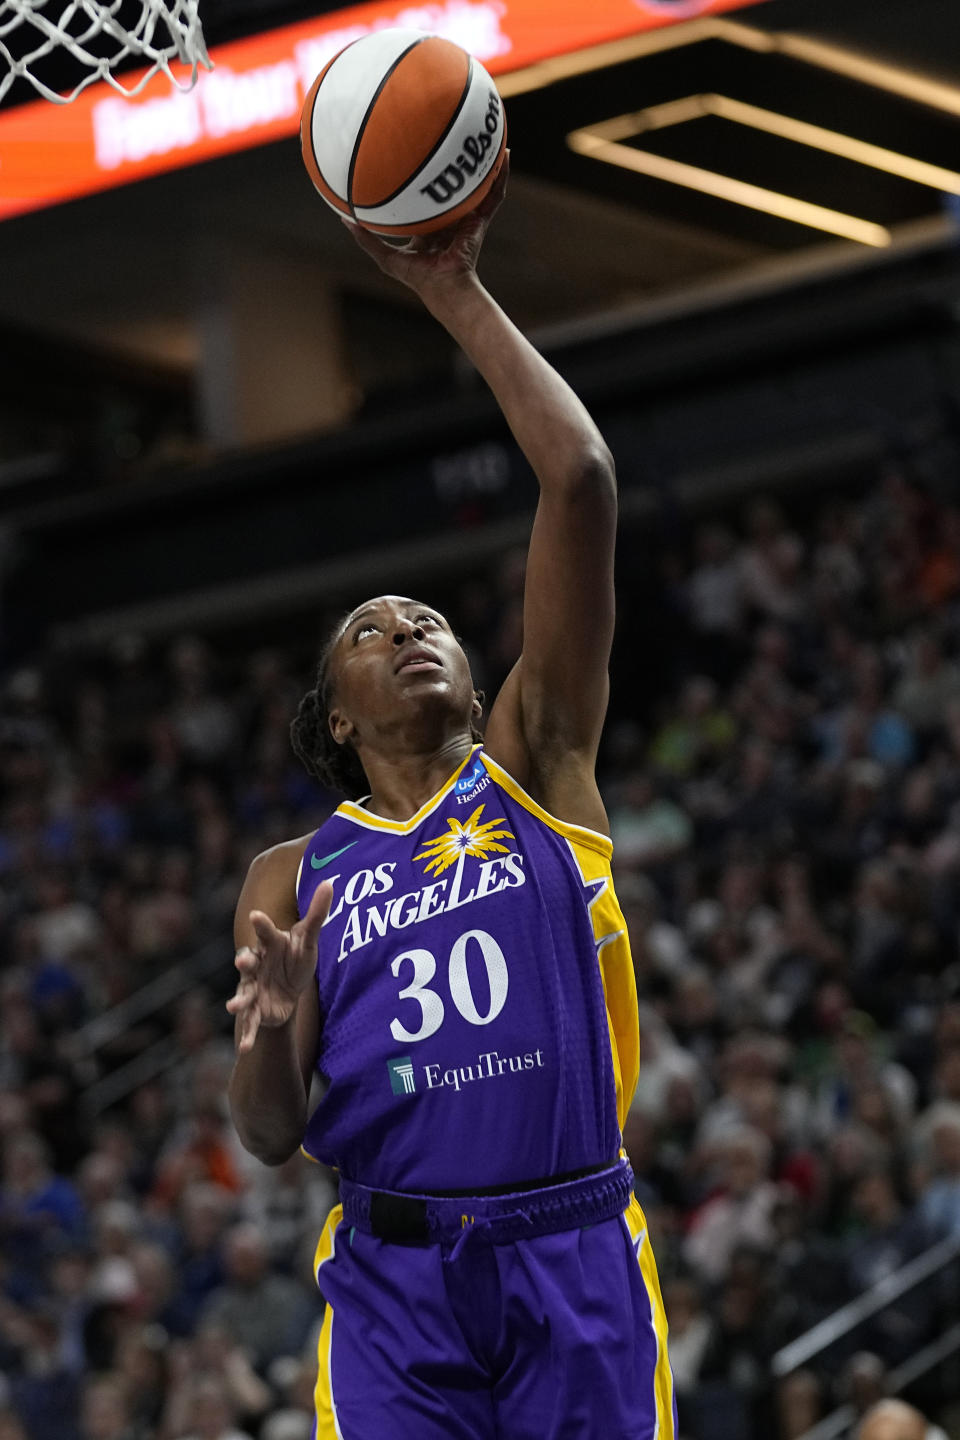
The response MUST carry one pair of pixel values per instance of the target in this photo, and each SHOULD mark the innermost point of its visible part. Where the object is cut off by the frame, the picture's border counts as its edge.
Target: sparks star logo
(466, 838)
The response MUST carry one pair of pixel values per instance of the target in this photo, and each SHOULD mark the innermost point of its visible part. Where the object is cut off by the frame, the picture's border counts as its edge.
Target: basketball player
(448, 955)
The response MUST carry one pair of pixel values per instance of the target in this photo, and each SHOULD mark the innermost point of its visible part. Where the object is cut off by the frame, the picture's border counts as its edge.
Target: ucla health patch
(471, 782)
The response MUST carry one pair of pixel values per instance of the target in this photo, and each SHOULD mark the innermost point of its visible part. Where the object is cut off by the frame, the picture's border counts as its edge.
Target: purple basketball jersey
(465, 1040)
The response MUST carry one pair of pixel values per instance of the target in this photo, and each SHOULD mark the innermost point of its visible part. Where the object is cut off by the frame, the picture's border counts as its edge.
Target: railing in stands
(837, 1326)
(156, 995)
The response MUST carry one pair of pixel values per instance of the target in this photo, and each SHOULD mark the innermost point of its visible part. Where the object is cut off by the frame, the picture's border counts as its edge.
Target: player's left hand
(276, 970)
(426, 262)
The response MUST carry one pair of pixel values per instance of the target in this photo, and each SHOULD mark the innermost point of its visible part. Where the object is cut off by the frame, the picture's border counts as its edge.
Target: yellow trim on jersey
(580, 834)
(350, 810)
(328, 1236)
(327, 1426)
(662, 1375)
(592, 853)
(616, 972)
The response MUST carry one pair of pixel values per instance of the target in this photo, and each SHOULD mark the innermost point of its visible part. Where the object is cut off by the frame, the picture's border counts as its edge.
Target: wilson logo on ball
(472, 158)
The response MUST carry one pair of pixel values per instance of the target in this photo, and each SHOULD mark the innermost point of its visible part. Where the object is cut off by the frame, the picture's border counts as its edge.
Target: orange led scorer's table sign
(50, 153)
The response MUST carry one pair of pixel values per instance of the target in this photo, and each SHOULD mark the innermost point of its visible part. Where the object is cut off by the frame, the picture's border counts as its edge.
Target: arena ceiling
(710, 153)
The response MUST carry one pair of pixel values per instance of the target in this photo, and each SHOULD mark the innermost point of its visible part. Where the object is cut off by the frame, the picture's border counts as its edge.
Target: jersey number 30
(458, 980)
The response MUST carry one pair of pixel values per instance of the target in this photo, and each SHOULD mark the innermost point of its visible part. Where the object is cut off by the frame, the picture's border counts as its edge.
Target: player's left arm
(545, 725)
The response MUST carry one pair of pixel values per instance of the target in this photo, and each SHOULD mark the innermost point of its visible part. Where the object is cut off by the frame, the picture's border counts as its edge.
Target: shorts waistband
(520, 1214)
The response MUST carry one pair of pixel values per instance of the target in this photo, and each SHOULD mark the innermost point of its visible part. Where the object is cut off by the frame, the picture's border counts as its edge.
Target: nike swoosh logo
(319, 864)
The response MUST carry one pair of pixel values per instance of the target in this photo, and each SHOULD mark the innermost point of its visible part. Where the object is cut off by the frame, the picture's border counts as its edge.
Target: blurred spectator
(213, 1416)
(44, 1390)
(807, 1273)
(662, 1061)
(268, 1314)
(212, 1357)
(698, 734)
(288, 1204)
(771, 564)
(888, 1236)
(867, 728)
(927, 685)
(766, 698)
(202, 1149)
(153, 1284)
(864, 1381)
(799, 1404)
(116, 1226)
(691, 1331)
(296, 1418)
(141, 1367)
(738, 1357)
(105, 1410)
(203, 1213)
(203, 722)
(65, 926)
(855, 1066)
(648, 829)
(198, 1047)
(895, 1420)
(36, 1207)
(939, 1206)
(11, 1427)
(741, 1213)
(716, 594)
(29, 1063)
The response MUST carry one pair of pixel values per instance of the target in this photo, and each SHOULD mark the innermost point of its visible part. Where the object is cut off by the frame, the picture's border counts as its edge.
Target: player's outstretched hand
(429, 260)
(275, 972)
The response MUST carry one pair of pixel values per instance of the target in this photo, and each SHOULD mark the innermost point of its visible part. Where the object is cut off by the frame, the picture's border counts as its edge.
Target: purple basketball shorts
(472, 1336)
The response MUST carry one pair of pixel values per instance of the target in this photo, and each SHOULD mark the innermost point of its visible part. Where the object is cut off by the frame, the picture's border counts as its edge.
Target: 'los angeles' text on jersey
(477, 998)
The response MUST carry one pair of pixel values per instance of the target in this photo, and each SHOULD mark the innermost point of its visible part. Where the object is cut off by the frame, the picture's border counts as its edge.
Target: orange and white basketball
(403, 132)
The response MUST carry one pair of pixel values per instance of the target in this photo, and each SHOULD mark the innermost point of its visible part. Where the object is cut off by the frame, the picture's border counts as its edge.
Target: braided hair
(337, 767)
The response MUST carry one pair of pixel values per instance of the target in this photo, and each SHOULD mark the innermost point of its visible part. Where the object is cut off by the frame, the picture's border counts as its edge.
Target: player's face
(392, 654)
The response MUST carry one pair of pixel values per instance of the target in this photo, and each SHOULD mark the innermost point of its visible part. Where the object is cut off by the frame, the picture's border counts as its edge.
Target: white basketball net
(94, 35)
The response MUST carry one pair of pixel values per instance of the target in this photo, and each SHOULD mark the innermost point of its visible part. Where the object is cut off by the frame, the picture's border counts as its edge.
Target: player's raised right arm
(275, 1007)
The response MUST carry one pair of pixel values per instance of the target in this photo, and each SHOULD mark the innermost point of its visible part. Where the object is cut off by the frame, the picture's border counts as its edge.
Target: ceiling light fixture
(818, 53)
(600, 57)
(592, 144)
(846, 62)
(786, 127)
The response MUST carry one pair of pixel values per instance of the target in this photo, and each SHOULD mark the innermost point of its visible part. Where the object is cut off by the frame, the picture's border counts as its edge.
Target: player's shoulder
(271, 886)
(558, 775)
(281, 859)
(562, 784)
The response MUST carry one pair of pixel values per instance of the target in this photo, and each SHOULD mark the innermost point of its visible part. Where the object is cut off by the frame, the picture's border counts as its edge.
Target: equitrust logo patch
(401, 1076)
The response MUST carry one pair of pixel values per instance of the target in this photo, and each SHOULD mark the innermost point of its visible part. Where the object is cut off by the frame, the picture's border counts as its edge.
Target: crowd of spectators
(785, 811)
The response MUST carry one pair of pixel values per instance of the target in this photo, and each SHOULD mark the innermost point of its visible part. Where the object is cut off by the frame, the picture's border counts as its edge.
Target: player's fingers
(243, 997)
(494, 199)
(249, 1026)
(265, 930)
(308, 929)
(246, 960)
(378, 250)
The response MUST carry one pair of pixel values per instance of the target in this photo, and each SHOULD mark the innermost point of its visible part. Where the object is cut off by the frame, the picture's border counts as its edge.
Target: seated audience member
(741, 1213)
(268, 1314)
(895, 1420)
